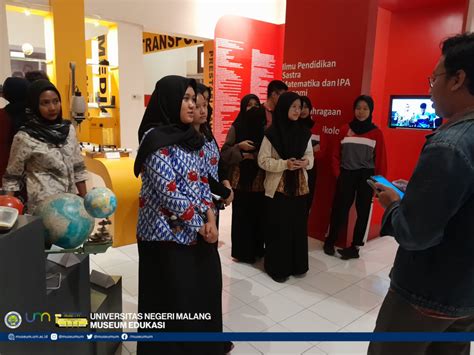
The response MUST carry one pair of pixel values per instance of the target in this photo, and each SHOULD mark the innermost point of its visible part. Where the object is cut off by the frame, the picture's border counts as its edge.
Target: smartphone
(315, 139)
(216, 197)
(382, 180)
(372, 185)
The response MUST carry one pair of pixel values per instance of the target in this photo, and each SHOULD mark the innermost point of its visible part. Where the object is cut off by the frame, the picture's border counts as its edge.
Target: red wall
(404, 50)
(407, 49)
(412, 52)
(341, 31)
(249, 54)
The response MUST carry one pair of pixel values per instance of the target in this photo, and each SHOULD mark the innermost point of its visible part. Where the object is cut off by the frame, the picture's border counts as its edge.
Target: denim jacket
(434, 224)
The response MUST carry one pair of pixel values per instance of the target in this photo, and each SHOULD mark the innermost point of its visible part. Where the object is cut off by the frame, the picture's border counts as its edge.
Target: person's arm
(440, 184)
(230, 152)
(20, 152)
(218, 188)
(336, 153)
(267, 162)
(309, 156)
(380, 155)
(171, 198)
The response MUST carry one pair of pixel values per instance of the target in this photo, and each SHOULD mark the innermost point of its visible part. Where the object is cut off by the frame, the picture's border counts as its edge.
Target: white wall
(131, 83)
(172, 62)
(470, 17)
(22, 28)
(5, 69)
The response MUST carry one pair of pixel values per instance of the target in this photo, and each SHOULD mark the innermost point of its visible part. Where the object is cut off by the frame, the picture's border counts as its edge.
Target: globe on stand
(101, 202)
(65, 219)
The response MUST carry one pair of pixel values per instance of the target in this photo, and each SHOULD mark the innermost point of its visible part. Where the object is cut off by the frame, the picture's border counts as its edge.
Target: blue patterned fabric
(172, 185)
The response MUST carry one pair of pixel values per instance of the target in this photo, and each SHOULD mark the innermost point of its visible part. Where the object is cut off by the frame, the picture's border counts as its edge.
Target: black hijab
(308, 122)
(54, 132)
(15, 91)
(249, 125)
(162, 115)
(289, 138)
(361, 127)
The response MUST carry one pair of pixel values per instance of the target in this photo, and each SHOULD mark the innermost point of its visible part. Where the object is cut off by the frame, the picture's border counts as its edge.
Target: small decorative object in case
(8, 217)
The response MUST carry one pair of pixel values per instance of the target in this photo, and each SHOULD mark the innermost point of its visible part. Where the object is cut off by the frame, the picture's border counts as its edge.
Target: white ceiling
(195, 18)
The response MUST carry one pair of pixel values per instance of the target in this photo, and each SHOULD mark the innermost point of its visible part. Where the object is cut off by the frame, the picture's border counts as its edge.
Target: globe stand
(102, 236)
(101, 240)
(64, 259)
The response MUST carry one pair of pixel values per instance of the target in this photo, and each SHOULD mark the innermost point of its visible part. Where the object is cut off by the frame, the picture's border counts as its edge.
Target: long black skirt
(247, 225)
(176, 278)
(286, 237)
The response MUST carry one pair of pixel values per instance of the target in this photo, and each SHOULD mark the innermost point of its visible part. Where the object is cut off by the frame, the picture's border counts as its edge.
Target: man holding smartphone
(432, 279)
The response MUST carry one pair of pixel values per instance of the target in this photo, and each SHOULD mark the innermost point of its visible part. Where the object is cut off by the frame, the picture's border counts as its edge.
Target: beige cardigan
(269, 160)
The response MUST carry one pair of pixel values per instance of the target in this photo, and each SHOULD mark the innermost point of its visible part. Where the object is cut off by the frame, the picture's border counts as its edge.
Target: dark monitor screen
(415, 112)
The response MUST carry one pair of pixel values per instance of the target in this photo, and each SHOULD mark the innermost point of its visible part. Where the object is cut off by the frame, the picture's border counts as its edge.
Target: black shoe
(247, 261)
(349, 253)
(329, 249)
(228, 347)
(279, 279)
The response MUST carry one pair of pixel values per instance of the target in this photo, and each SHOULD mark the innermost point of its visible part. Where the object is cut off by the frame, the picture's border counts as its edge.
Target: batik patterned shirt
(174, 185)
(46, 169)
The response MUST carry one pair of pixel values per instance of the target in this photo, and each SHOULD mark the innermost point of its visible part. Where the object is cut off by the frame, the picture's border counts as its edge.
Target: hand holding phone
(246, 145)
(302, 163)
(373, 186)
(401, 184)
(383, 181)
(292, 164)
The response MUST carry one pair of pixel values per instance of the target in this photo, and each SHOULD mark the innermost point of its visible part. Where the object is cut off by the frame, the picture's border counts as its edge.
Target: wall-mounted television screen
(416, 112)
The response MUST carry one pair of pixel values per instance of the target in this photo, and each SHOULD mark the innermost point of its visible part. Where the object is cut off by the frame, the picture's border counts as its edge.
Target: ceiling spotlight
(96, 23)
(27, 12)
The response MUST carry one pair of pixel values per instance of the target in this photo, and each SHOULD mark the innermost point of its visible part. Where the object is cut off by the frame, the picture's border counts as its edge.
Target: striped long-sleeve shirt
(365, 151)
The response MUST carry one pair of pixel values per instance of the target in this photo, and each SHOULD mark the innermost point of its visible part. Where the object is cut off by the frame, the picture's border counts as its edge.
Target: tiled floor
(335, 295)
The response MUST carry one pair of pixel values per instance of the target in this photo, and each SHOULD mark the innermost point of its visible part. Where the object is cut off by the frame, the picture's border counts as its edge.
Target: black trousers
(351, 184)
(176, 278)
(398, 315)
(286, 237)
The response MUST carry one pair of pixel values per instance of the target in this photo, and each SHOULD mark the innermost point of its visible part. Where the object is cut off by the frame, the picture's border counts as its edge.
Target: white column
(5, 68)
(131, 83)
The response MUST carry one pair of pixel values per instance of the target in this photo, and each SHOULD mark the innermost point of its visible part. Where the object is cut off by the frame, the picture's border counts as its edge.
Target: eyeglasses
(432, 78)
